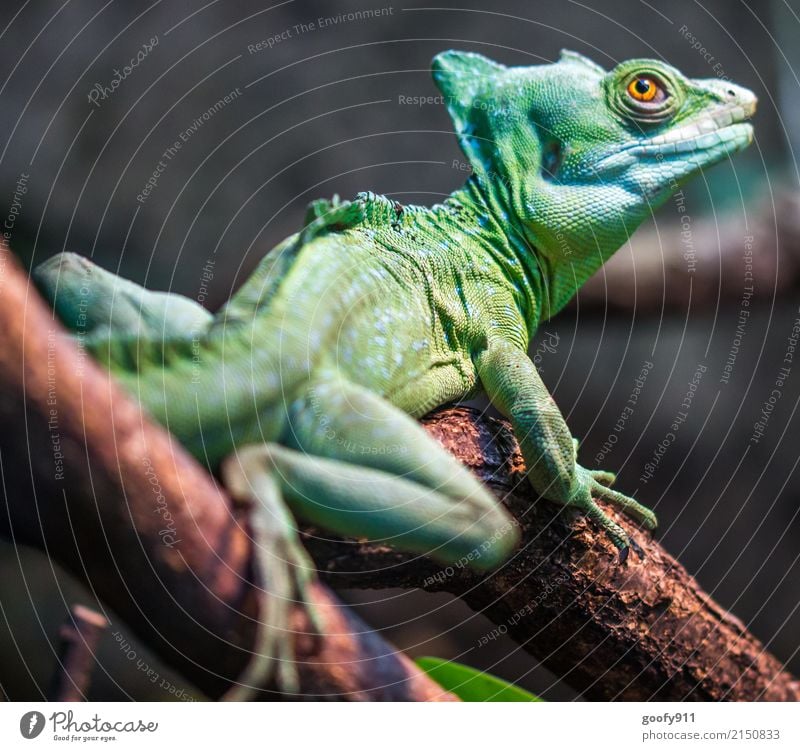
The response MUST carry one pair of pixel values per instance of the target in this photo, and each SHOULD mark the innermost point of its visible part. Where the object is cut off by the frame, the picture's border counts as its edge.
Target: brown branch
(638, 631)
(700, 261)
(117, 502)
(79, 636)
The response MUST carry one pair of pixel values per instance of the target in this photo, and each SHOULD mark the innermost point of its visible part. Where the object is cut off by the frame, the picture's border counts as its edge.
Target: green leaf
(469, 684)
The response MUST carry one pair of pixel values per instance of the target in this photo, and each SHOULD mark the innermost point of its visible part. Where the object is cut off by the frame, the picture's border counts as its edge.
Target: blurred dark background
(313, 108)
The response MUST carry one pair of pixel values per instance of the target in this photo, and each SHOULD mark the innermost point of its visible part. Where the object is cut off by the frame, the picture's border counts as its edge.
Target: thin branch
(79, 636)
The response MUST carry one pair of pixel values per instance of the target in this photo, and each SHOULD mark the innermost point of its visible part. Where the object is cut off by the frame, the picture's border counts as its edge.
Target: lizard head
(577, 156)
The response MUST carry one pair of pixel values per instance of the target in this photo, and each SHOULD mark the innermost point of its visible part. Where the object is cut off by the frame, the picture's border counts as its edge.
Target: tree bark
(118, 503)
(700, 263)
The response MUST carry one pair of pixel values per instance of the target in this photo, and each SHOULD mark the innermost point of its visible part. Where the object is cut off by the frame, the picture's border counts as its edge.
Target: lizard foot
(284, 574)
(595, 484)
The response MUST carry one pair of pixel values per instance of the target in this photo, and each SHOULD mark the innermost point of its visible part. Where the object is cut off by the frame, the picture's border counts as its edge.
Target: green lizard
(301, 392)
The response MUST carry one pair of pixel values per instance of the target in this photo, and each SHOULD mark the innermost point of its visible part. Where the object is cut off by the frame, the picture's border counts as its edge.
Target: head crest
(464, 78)
(576, 57)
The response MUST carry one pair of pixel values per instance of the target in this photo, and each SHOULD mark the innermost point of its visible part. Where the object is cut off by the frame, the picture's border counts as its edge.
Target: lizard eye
(646, 89)
(643, 95)
(645, 92)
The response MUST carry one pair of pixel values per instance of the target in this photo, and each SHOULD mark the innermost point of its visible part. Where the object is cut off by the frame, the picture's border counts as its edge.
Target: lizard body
(302, 390)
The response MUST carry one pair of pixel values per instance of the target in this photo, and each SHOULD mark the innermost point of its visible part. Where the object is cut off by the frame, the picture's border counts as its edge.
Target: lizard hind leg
(347, 499)
(358, 467)
(382, 477)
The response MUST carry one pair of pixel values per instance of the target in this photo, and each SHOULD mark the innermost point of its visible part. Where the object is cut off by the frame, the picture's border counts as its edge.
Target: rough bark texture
(635, 631)
(114, 500)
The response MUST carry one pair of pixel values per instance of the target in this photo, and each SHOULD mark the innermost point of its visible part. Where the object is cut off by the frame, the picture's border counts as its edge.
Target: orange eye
(643, 89)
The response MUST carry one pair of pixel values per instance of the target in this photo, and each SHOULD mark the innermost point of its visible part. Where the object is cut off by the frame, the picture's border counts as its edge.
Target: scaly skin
(301, 391)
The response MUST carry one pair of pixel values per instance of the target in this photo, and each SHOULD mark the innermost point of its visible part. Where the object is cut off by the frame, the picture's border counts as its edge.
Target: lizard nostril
(731, 93)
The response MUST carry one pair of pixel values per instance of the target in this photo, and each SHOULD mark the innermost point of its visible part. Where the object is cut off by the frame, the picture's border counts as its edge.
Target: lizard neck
(560, 234)
(484, 219)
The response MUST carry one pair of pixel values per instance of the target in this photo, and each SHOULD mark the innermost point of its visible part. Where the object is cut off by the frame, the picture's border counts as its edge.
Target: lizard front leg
(515, 388)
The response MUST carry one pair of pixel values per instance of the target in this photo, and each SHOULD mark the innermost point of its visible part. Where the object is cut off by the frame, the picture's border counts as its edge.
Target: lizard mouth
(705, 140)
(724, 127)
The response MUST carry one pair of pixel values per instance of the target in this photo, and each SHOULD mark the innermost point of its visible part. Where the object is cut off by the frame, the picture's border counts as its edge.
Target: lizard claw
(636, 548)
(625, 551)
(604, 478)
(628, 506)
